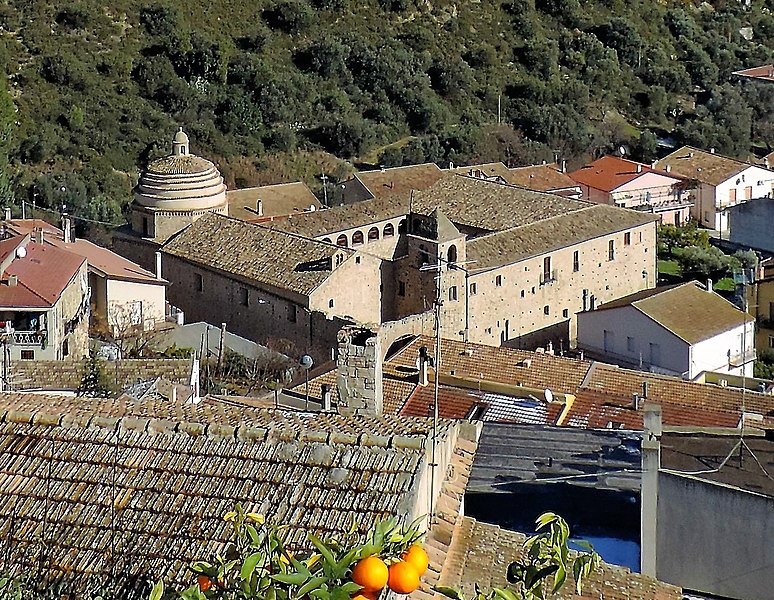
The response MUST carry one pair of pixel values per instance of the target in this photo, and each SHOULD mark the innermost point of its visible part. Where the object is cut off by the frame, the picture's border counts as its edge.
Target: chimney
(668, 168)
(259, 207)
(635, 402)
(639, 168)
(593, 302)
(37, 236)
(690, 155)
(651, 463)
(325, 392)
(66, 229)
(158, 264)
(424, 359)
(709, 285)
(644, 390)
(550, 347)
(564, 166)
(712, 151)
(359, 372)
(7, 213)
(13, 280)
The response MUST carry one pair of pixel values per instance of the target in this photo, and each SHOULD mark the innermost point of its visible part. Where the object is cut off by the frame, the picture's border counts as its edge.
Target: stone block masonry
(359, 372)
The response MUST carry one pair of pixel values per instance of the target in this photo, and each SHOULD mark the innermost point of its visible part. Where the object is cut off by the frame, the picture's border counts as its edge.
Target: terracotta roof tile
(400, 180)
(542, 178)
(611, 172)
(278, 199)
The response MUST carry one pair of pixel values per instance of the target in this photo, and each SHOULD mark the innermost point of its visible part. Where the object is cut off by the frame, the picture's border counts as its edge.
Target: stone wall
(359, 372)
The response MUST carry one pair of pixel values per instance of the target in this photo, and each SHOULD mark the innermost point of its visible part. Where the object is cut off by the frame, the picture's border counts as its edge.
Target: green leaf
(449, 592)
(323, 549)
(545, 519)
(310, 585)
(504, 594)
(201, 567)
(248, 566)
(559, 578)
(290, 578)
(350, 587)
(158, 591)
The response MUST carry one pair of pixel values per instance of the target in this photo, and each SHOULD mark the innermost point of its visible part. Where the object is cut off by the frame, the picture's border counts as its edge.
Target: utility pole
(499, 107)
(324, 179)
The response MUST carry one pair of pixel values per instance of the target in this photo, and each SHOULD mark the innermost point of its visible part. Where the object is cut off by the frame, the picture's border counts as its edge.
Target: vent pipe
(644, 390)
(7, 213)
(13, 280)
(423, 360)
(709, 285)
(635, 402)
(259, 207)
(325, 391)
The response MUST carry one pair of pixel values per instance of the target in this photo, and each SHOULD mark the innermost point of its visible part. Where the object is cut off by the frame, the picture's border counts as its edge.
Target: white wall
(712, 354)
(759, 182)
(121, 294)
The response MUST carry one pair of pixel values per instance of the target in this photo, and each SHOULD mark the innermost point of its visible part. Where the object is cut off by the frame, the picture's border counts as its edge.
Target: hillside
(100, 86)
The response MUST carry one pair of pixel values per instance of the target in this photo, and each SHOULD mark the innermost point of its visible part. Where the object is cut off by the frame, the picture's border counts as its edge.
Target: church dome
(181, 181)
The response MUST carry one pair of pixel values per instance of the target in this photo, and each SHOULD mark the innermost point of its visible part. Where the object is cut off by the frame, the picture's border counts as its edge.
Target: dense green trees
(100, 87)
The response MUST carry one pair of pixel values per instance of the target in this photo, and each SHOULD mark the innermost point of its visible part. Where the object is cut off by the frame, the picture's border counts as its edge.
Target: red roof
(43, 274)
(611, 172)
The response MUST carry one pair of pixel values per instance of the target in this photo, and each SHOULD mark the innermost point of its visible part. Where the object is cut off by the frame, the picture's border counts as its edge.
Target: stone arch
(342, 240)
(373, 234)
(357, 238)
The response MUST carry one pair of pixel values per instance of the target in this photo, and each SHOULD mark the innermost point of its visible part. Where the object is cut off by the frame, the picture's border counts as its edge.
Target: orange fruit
(204, 582)
(417, 557)
(403, 578)
(370, 573)
(363, 595)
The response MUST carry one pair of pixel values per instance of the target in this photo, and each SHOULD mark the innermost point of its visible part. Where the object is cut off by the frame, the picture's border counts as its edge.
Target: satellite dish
(622, 150)
(21, 252)
(548, 395)
(306, 362)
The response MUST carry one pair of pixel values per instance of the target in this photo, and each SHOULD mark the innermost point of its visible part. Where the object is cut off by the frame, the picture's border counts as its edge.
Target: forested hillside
(264, 86)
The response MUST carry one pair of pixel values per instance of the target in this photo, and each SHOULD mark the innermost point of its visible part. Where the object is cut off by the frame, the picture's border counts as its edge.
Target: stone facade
(359, 372)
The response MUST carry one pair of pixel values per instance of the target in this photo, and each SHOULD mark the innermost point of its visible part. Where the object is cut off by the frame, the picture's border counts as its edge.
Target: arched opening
(342, 240)
(402, 226)
(389, 230)
(357, 238)
(327, 240)
(451, 254)
(373, 234)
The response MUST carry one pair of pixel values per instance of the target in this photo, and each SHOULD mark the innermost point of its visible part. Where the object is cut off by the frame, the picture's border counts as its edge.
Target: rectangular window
(576, 261)
(472, 289)
(292, 316)
(627, 239)
(546, 310)
(199, 282)
(732, 195)
(499, 281)
(244, 296)
(566, 313)
(357, 260)
(453, 293)
(522, 293)
(330, 303)
(401, 288)
(28, 355)
(629, 344)
(547, 269)
(611, 250)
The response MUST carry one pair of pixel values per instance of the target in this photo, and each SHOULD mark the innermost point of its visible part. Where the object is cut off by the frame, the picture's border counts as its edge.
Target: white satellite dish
(306, 362)
(622, 150)
(548, 395)
(21, 252)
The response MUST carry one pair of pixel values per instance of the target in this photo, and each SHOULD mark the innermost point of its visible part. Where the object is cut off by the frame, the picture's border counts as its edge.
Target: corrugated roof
(254, 252)
(687, 310)
(700, 165)
(611, 172)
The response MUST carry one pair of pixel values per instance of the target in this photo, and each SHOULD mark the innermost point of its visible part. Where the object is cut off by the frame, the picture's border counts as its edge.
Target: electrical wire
(54, 212)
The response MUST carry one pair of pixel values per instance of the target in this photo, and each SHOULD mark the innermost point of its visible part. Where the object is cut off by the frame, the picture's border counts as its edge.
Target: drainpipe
(651, 462)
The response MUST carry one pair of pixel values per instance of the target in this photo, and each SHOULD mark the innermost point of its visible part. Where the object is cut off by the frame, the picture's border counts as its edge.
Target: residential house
(44, 301)
(628, 184)
(720, 182)
(549, 178)
(124, 296)
(760, 305)
(269, 202)
(678, 330)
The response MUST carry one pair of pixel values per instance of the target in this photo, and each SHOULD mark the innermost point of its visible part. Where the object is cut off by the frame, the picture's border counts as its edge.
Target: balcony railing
(738, 359)
(28, 338)
(547, 277)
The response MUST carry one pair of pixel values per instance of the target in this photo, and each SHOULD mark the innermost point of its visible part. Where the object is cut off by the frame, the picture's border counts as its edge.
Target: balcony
(738, 359)
(27, 338)
(547, 277)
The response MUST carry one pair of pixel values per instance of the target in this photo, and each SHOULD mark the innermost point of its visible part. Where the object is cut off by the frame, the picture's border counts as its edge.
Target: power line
(53, 212)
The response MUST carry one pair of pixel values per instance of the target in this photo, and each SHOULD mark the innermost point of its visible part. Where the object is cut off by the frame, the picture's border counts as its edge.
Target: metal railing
(547, 277)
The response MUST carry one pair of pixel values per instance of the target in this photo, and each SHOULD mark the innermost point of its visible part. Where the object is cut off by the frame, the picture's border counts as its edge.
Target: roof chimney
(158, 264)
(359, 372)
(424, 359)
(325, 391)
(259, 207)
(13, 280)
(644, 390)
(668, 168)
(712, 151)
(7, 213)
(635, 402)
(37, 236)
(66, 229)
(709, 285)
(639, 168)
(564, 166)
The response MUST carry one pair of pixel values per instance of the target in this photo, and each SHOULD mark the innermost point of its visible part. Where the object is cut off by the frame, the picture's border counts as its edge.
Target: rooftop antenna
(324, 179)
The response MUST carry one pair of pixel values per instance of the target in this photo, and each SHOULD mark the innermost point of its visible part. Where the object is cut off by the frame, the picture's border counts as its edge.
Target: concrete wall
(122, 294)
(713, 354)
(752, 183)
(750, 224)
(714, 538)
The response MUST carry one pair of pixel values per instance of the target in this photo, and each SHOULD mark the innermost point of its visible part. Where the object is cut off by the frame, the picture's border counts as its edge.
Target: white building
(721, 182)
(676, 330)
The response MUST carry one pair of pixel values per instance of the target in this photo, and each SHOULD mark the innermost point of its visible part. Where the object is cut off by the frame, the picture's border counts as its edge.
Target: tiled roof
(495, 169)
(551, 234)
(254, 253)
(764, 73)
(43, 274)
(706, 167)
(688, 310)
(278, 199)
(481, 553)
(542, 178)
(503, 365)
(133, 498)
(490, 205)
(67, 375)
(611, 172)
(400, 180)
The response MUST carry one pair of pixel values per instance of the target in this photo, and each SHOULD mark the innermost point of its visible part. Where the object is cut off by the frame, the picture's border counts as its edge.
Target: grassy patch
(669, 267)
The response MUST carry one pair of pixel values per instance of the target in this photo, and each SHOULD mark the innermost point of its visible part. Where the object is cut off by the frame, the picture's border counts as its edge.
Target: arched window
(342, 240)
(389, 230)
(451, 254)
(357, 238)
(327, 241)
(373, 234)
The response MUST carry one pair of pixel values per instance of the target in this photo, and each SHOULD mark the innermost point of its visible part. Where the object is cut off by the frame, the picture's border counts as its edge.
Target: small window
(453, 293)
(640, 237)
(629, 344)
(488, 330)
(523, 293)
(576, 261)
(566, 313)
(357, 260)
(66, 348)
(327, 241)
(533, 289)
(245, 296)
(145, 227)
(499, 281)
(373, 234)
(546, 310)
(292, 316)
(342, 240)
(611, 250)
(628, 238)
(357, 238)
(472, 289)
(451, 255)
(199, 282)
(330, 303)
(389, 230)
(28, 355)
(401, 288)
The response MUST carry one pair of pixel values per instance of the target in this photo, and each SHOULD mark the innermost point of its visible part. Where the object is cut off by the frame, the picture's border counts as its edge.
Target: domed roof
(181, 181)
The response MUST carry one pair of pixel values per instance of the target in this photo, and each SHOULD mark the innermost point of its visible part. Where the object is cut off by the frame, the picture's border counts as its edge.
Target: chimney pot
(423, 360)
(709, 285)
(66, 229)
(259, 207)
(639, 168)
(712, 151)
(635, 402)
(7, 213)
(158, 265)
(325, 391)
(13, 280)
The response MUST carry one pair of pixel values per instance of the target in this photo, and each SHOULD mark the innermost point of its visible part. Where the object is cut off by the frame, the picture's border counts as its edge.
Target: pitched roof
(548, 235)
(400, 180)
(43, 274)
(763, 73)
(687, 310)
(255, 253)
(133, 498)
(480, 554)
(542, 178)
(494, 169)
(611, 172)
(703, 166)
(278, 199)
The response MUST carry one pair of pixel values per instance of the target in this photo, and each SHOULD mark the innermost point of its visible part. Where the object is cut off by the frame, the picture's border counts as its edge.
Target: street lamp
(306, 364)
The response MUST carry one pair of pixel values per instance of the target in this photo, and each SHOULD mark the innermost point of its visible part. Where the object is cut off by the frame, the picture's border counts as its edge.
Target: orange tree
(257, 565)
